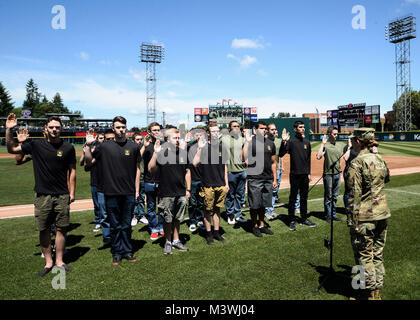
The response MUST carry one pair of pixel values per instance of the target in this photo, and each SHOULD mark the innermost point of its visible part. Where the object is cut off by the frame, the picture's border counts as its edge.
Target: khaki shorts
(51, 209)
(171, 208)
(214, 197)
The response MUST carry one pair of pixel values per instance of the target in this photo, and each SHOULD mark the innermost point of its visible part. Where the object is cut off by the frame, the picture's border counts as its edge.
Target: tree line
(36, 102)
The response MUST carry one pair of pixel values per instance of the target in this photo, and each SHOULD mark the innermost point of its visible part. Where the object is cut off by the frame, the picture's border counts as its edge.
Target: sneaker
(308, 223)
(231, 220)
(144, 220)
(116, 261)
(154, 236)
(134, 222)
(106, 241)
(178, 245)
(338, 219)
(266, 230)
(97, 228)
(219, 237)
(162, 234)
(256, 232)
(192, 227)
(201, 225)
(297, 211)
(130, 258)
(292, 226)
(240, 220)
(269, 215)
(328, 220)
(167, 249)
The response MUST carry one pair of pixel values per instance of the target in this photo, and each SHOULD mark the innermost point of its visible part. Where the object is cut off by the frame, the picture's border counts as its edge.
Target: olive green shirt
(234, 146)
(331, 158)
(277, 143)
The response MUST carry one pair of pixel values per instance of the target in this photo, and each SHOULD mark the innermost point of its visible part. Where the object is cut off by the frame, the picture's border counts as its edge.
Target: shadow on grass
(137, 244)
(335, 282)
(72, 240)
(73, 254)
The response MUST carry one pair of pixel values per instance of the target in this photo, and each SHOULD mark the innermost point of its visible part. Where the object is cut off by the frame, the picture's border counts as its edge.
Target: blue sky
(278, 56)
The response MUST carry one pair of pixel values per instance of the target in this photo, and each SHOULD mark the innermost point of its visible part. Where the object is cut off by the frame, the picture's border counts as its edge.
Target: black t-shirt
(259, 161)
(118, 165)
(195, 171)
(51, 164)
(213, 159)
(353, 154)
(147, 155)
(300, 155)
(172, 165)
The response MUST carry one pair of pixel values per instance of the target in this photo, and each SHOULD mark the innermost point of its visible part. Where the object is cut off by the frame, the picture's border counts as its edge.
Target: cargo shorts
(171, 208)
(52, 209)
(213, 197)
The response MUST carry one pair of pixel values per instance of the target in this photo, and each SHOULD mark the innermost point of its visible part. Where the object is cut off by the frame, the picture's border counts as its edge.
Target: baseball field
(287, 265)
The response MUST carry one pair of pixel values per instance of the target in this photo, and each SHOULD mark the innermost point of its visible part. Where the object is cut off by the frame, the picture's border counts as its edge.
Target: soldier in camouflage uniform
(369, 211)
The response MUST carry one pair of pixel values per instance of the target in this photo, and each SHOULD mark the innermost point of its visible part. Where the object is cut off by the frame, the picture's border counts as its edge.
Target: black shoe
(65, 267)
(116, 261)
(209, 238)
(328, 220)
(266, 231)
(256, 232)
(44, 271)
(292, 226)
(338, 219)
(218, 237)
(308, 223)
(130, 258)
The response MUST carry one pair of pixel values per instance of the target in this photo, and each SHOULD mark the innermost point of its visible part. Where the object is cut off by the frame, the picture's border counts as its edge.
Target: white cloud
(246, 44)
(139, 75)
(245, 61)
(83, 55)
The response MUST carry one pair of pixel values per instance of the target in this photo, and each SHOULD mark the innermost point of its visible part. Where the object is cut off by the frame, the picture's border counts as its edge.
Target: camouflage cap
(363, 133)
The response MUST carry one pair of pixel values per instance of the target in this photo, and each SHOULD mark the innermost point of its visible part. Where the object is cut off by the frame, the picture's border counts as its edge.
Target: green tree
(6, 104)
(415, 108)
(32, 99)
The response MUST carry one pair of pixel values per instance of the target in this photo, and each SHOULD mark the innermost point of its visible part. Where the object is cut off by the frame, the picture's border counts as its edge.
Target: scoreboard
(353, 116)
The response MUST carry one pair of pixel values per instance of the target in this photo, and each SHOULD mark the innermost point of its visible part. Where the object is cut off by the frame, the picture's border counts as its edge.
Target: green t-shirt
(234, 146)
(332, 154)
(277, 143)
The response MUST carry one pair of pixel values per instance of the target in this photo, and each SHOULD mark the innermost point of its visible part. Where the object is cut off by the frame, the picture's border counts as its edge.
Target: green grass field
(284, 266)
(287, 265)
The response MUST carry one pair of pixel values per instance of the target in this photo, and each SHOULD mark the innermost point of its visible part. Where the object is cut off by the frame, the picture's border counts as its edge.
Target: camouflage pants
(368, 245)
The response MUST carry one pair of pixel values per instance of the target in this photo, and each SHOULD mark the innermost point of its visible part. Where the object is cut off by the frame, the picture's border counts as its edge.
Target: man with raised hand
(236, 173)
(53, 159)
(299, 149)
(120, 164)
(331, 153)
(139, 214)
(151, 181)
(174, 187)
(212, 158)
(260, 155)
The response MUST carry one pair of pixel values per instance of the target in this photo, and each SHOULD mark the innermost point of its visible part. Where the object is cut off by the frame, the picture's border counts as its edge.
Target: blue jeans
(139, 204)
(331, 190)
(155, 219)
(275, 192)
(195, 204)
(96, 206)
(236, 192)
(100, 212)
(119, 209)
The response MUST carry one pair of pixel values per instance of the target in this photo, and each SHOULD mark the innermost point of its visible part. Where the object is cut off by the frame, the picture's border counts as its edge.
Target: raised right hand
(11, 121)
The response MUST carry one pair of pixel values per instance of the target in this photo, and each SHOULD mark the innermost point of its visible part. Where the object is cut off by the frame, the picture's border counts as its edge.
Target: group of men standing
(203, 171)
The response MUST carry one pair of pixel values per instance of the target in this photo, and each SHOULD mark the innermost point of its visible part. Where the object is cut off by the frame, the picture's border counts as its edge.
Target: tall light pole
(151, 54)
(400, 32)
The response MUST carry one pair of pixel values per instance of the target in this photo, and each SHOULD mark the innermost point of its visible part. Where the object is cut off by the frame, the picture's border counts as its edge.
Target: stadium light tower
(400, 32)
(151, 54)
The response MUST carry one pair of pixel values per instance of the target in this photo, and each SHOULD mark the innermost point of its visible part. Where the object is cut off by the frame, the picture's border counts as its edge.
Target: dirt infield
(397, 166)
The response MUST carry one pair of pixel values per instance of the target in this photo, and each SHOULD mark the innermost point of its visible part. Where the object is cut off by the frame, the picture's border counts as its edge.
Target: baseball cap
(363, 133)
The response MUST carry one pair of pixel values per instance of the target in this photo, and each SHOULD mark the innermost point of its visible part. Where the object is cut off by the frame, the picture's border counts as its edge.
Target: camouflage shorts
(171, 208)
(368, 245)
